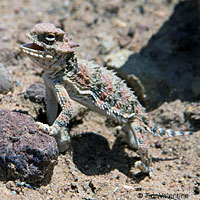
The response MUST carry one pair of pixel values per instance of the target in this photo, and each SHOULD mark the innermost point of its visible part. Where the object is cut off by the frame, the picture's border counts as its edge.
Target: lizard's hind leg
(134, 138)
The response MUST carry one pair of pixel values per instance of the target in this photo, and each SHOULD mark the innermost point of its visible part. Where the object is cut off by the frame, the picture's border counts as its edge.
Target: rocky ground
(154, 46)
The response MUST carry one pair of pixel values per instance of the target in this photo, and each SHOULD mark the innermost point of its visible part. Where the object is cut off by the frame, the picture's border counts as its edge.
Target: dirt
(101, 167)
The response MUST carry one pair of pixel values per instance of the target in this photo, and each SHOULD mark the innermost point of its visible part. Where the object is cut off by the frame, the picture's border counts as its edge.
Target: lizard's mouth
(34, 50)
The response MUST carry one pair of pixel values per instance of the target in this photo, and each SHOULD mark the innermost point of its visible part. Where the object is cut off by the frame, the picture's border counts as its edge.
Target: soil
(100, 166)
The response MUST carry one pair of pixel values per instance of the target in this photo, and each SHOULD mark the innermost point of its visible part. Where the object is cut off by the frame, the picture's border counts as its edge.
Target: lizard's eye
(50, 37)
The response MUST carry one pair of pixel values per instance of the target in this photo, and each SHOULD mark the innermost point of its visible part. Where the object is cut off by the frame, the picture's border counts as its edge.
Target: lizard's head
(49, 45)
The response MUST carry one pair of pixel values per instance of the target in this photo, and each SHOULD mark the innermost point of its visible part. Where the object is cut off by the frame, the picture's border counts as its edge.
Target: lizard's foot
(61, 135)
(142, 167)
(145, 163)
(46, 128)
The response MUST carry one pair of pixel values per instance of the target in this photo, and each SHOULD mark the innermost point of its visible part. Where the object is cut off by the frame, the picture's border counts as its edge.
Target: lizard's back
(105, 91)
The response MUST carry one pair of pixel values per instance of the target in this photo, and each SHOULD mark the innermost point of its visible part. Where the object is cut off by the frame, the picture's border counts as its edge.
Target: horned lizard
(69, 78)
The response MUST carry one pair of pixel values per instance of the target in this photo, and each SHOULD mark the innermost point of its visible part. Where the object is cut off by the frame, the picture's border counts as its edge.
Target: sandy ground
(101, 167)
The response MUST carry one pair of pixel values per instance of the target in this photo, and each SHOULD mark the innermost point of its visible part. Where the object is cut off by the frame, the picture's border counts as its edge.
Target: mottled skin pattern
(68, 78)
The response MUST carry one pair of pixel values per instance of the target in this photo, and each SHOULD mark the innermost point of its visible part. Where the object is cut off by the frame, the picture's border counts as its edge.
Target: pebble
(6, 82)
(131, 32)
(128, 187)
(164, 152)
(124, 41)
(119, 23)
(158, 144)
(113, 7)
(118, 176)
(196, 190)
(115, 190)
(14, 192)
(141, 10)
(36, 93)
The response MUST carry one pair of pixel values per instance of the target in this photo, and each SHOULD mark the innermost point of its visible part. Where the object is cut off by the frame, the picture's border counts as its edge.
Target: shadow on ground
(93, 156)
(169, 65)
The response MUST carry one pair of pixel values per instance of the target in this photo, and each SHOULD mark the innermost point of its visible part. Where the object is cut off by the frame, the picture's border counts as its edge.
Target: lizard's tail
(162, 132)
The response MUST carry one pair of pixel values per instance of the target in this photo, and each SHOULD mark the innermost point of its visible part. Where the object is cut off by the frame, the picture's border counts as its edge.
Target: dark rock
(6, 82)
(158, 144)
(141, 10)
(25, 152)
(36, 93)
(131, 32)
(196, 190)
(165, 152)
(91, 185)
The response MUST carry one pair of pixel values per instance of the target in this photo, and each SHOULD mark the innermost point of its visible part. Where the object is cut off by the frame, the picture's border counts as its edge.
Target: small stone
(66, 188)
(158, 144)
(36, 93)
(74, 187)
(124, 41)
(91, 185)
(131, 32)
(190, 176)
(185, 162)
(6, 82)
(128, 187)
(138, 189)
(17, 83)
(115, 190)
(196, 190)
(118, 176)
(141, 10)
(113, 7)
(25, 152)
(119, 23)
(164, 152)
(198, 174)
(14, 192)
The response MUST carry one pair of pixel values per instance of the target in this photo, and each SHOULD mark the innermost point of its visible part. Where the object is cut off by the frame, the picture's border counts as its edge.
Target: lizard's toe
(45, 128)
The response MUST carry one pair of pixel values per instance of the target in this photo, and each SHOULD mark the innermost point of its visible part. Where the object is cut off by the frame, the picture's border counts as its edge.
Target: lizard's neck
(71, 65)
(63, 64)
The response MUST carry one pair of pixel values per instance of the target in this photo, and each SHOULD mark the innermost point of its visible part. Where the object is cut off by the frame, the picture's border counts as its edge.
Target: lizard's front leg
(59, 128)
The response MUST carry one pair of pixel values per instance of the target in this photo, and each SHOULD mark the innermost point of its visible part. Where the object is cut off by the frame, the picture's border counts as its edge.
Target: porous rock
(26, 153)
(36, 93)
